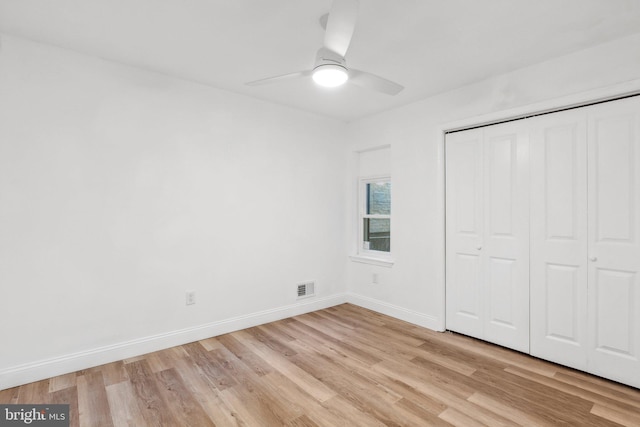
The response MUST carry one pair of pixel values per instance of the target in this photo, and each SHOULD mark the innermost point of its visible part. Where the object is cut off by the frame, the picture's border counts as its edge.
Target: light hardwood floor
(341, 366)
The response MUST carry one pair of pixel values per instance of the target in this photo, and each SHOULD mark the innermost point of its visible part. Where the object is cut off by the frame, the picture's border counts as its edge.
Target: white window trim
(381, 262)
(365, 255)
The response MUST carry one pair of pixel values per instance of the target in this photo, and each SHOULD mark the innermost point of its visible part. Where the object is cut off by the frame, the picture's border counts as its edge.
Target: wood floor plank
(601, 387)
(302, 421)
(351, 416)
(255, 404)
(384, 333)
(308, 404)
(596, 396)
(313, 357)
(153, 406)
(180, 401)
(93, 404)
(359, 315)
(200, 356)
(61, 382)
(445, 398)
(418, 414)
(278, 329)
(261, 389)
(345, 347)
(271, 341)
(36, 393)
(207, 395)
(368, 342)
(496, 353)
(346, 382)
(124, 406)
(457, 418)
(114, 373)
(400, 394)
(245, 355)
(562, 407)
(10, 395)
(67, 396)
(341, 366)
(211, 344)
(502, 386)
(619, 416)
(233, 366)
(446, 362)
(287, 368)
(518, 417)
(159, 361)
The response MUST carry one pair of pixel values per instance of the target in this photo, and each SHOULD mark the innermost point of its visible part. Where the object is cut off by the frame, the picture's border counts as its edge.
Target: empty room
(319, 213)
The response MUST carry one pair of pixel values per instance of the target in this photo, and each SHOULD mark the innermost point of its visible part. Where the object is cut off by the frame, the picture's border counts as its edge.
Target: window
(375, 216)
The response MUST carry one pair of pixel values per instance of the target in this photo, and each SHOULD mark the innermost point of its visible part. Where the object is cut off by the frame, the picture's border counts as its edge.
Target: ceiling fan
(330, 69)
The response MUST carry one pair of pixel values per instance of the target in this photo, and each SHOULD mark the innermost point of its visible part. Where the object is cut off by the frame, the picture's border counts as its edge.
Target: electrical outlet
(191, 297)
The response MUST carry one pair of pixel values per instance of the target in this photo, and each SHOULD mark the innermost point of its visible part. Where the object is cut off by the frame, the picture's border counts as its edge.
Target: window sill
(382, 262)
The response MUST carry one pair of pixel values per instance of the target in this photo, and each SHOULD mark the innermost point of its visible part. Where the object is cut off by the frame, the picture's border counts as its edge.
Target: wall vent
(306, 289)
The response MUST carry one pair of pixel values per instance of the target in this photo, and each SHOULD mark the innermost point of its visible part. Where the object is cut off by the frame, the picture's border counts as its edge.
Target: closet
(543, 236)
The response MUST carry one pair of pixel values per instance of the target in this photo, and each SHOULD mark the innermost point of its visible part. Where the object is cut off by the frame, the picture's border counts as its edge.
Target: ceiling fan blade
(371, 81)
(340, 26)
(278, 79)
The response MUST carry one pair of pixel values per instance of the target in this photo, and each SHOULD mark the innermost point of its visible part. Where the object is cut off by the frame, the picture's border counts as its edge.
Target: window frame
(362, 215)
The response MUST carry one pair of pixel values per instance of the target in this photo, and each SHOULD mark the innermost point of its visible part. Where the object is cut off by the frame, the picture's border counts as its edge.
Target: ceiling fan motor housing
(327, 57)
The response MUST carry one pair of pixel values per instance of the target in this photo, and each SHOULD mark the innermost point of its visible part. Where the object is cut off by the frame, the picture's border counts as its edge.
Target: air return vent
(306, 289)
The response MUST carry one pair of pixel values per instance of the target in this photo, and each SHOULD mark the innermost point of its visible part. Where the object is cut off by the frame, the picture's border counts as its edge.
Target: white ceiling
(429, 46)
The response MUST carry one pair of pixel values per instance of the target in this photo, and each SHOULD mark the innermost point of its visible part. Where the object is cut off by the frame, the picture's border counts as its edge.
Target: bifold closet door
(488, 234)
(614, 240)
(464, 232)
(558, 287)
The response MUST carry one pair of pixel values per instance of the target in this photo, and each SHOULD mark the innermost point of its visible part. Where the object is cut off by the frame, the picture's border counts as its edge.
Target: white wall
(413, 289)
(120, 189)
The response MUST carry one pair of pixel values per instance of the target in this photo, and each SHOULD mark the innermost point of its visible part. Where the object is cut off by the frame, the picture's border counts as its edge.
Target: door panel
(614, 183)
(464, 232)
(501, 166)
(614, 235)
(502, 275)
(561, 288)
(505, 253)
(467, 290)
(558, 288)
(614, 312)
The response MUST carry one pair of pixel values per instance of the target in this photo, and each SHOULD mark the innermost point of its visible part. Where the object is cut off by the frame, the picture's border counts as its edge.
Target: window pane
(379, 198)
(377, 235)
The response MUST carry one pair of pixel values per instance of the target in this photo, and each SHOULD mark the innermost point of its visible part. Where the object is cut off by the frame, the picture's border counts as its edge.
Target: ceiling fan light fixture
(330, 75)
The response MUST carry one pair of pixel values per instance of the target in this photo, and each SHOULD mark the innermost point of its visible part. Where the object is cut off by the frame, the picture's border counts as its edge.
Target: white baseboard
(417, 318)
(35, 371)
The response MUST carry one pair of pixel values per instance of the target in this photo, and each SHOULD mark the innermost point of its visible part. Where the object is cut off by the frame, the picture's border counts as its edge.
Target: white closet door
(614, 240)
(464, 232)
(558, 287)
(505, 247)
(487, 234)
